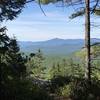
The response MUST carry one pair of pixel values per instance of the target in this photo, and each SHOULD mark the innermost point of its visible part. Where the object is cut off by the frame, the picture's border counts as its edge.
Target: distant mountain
(54, 46)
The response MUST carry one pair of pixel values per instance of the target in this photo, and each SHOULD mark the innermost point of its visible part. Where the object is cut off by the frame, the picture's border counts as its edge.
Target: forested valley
(32, 77)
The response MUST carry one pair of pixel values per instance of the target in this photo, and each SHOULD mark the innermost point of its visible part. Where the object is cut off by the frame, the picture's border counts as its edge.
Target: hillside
(95, 51)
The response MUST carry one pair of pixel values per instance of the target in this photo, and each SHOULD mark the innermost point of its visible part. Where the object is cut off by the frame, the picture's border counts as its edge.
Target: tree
(87, 41)
(12, 62)
(15, 60)
(35, 64)
(9, 9)
(12, 70)
(4, 41)
(87, 35)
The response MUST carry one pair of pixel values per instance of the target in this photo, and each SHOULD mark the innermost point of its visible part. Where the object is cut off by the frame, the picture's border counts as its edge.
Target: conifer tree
(35, 64)
(15, 59)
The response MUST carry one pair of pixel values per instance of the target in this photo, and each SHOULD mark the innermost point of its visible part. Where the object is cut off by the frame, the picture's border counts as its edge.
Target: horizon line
(53, 39)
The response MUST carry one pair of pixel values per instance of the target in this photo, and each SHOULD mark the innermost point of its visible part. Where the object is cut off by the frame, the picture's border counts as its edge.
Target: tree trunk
(87, 41)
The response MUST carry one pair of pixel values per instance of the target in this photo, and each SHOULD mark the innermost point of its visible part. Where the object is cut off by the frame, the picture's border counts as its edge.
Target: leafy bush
(77, 88)
(66, 90)
(84, 91)
(23, 90)
(59, 81)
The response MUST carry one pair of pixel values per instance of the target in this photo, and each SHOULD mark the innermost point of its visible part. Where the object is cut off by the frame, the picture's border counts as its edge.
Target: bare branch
(97, 1)
(41, 8)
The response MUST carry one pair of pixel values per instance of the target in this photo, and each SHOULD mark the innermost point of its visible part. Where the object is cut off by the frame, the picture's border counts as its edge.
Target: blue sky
(32, 25)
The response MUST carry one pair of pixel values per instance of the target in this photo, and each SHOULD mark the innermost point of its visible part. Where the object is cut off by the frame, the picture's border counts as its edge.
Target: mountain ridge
(55, 46)
(57, 39)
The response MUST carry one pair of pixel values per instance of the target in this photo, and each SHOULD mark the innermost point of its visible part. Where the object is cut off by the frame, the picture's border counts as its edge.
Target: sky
(32, 25)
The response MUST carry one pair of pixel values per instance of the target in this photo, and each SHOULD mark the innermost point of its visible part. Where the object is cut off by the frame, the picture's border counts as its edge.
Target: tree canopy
(78, 6)
(9, 9)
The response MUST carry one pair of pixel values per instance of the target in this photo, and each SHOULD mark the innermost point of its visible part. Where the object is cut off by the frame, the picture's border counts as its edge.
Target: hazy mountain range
(54, 46)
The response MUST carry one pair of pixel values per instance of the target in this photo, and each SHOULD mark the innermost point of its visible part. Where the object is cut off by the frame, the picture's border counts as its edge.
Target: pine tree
(15, 59)
(35, 64)
(9, 9)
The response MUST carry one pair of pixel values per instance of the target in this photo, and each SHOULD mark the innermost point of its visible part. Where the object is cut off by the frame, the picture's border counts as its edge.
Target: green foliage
(78, 13)
(4, 40)
(35, 65)
(45, 2)
(95, 51)
(67, 67)
(78, 89)
(57, 82)
(82, 90)
(97, 12)
(81, 12)
(95, 59)
(14, 83)
(9, 9)
(14, 60)
(66, 90)
(96, 69)
(66, 76)
(23, 90)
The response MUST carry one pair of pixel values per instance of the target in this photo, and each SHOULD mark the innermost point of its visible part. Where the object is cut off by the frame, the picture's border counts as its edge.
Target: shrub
(83, 91)
(66, 90)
